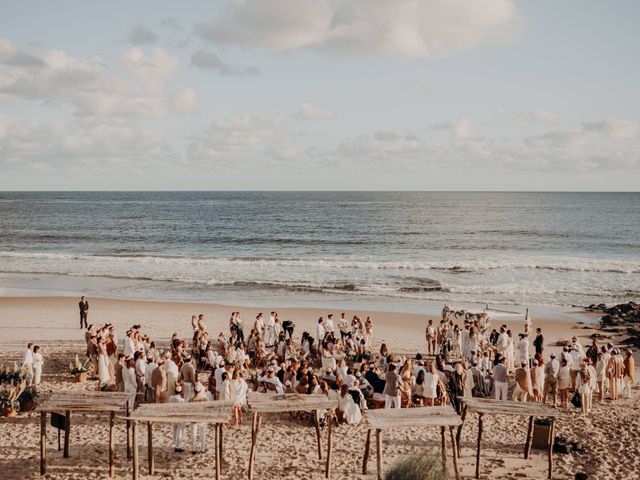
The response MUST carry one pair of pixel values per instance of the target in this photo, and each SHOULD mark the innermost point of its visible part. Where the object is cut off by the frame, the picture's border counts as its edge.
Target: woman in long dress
(349, 408)
(238, 389)
(129, 377)
(104, 375)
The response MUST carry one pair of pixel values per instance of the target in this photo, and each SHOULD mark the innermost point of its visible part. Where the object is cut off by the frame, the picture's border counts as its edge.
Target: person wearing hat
(551, 369)
(178, 428)
(577, 358)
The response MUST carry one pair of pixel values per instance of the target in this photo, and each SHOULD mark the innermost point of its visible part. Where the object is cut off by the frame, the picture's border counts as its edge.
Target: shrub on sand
(426, 466)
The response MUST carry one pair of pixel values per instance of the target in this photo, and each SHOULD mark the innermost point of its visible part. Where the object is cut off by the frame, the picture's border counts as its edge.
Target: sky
(320, 95)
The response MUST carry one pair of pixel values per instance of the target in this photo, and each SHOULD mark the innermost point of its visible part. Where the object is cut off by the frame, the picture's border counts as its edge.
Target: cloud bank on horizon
(320, 94)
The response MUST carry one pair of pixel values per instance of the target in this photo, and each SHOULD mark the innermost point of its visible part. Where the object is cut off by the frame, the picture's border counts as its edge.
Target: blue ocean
(306, 247)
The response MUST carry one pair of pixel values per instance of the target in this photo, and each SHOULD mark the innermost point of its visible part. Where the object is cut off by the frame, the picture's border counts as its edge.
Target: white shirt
(129, 347)
(328, 325)
(320, 331)
(141, 366)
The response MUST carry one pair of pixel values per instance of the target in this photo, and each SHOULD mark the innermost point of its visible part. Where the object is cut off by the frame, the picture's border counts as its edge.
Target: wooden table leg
(127, 411)
(318, 435)
(112, 456)
(443, 451)
(220, 430)
(150, 448)
(134, 449)
(550, 451)
(255, 425)
(367, 446)
(218, 440)
(327, 473)
(454, 449)
(379, 452)
(459, 433)
(479, 442)
(43, 443)
(527, 445)
(67, 433)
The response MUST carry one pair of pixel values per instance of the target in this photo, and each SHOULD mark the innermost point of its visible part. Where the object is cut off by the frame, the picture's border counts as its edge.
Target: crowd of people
(338, 360)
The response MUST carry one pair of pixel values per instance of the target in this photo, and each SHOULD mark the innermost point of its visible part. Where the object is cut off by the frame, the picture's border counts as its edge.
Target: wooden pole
(454, 449)
(220, 443)
(443, 450)
(327, 473)
(43, 443)
(255, 424)
(318, 435)
(127, 409)
(379, 452)
(67, 433)
(112, 456)
(459, 433)
(550, 447)
(218, 440)
(527, 445)
(134, 449)
(479, 442)
(367, 446)
(150, 448)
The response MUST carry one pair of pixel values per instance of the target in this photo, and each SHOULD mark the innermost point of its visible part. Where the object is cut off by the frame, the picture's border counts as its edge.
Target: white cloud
(142, 90)
(613, 128)
(233, 139)
(141, 35)
(78, 144)
(460, 129)
(311, 111)
(414, 28)
(205, 60)
(542, 116)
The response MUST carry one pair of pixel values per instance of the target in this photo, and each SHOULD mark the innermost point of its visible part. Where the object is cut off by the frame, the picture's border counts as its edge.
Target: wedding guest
(38, 363)
(551, 370)
(84, 312)
(178, 428)
(629, 373)
(392, 388)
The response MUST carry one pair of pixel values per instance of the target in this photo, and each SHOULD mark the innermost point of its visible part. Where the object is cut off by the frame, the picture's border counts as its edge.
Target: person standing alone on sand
(84, 312)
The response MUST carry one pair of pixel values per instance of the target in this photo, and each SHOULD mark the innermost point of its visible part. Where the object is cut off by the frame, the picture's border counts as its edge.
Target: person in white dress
(523, 350)
(104, 375)
(349, 408)
(38, 362)
(27, 359)
(238, 388)
(129, 377)
(320, 330)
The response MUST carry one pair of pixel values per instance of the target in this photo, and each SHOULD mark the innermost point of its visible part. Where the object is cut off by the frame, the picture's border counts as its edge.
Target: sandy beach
(286, 447)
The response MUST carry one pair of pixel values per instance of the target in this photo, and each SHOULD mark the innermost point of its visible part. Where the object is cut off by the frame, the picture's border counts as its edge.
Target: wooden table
(386, 419)
(84, 402)
(211, 412)
(260, 403)
(484, 406)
